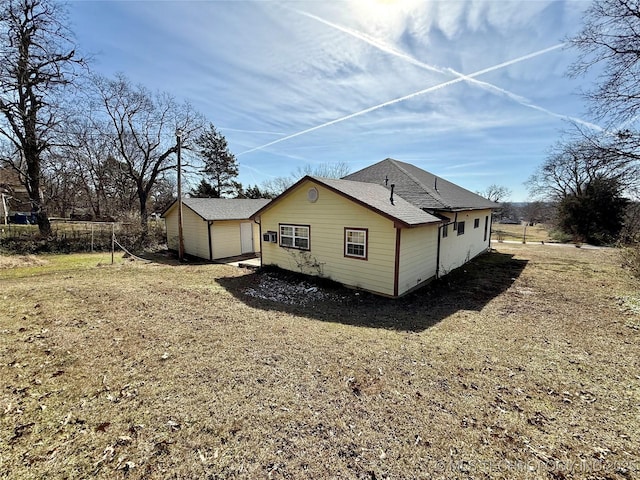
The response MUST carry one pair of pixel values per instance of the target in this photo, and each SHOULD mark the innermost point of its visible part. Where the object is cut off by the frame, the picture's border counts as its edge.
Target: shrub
(80, 237)
(631, 259)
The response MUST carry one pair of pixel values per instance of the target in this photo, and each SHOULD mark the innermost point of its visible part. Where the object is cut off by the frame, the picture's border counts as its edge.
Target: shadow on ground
(470, 287)
(167, 257)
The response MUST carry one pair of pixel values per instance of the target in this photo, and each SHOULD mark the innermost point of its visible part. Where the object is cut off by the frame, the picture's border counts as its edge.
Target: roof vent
(435, 182)
(312, 194)
(386, 180)
(393, 185)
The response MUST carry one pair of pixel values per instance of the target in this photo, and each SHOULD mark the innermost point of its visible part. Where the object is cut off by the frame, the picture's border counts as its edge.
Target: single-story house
(214, 228)
(388, 229)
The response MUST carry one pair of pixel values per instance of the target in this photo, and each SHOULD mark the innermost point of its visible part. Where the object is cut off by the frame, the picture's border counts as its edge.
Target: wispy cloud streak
(375, 42)
(526, 102)
(259, 132)
(379, 44)
(409, 96)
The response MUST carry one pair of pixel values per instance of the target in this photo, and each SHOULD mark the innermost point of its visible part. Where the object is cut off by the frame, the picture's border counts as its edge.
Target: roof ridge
(418, 182)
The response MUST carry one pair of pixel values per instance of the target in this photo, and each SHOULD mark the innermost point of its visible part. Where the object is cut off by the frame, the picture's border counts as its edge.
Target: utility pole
(180, 237)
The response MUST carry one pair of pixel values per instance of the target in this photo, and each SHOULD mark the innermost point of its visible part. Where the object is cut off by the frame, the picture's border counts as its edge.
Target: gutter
(256, 218)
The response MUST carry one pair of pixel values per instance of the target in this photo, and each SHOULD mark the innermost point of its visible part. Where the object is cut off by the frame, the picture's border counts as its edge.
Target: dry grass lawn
(534, 233)
(524, 364)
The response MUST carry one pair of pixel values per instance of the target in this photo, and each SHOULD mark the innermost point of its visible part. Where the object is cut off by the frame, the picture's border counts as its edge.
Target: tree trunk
(35, 193)
(143, 196)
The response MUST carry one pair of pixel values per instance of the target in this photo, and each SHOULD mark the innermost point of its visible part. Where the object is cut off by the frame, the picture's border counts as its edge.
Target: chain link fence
(80, 236)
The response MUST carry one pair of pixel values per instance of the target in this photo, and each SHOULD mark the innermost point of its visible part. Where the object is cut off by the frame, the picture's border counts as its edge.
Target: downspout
(490, 227)
(438, 252)
(259, 237)
(209, 225)
(396, 272)
(439, 244)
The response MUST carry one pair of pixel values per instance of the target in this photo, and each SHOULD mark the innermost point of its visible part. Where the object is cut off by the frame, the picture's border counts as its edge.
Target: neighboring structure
(388, 228)
(215, 228)
(14, 198)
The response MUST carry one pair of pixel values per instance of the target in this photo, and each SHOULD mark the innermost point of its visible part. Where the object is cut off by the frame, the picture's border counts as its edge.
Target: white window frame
(297, 236)
(364, 244)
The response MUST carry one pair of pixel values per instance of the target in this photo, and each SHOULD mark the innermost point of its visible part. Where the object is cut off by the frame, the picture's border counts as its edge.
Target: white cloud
(263, 72)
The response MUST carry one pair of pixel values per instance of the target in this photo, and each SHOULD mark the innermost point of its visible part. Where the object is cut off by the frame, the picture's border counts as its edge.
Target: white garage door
(246, 237)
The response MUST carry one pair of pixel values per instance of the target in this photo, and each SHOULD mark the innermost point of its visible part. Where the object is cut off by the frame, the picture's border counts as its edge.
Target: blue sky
(473, 91)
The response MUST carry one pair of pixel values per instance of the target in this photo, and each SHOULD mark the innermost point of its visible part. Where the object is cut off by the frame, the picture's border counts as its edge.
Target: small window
(476, 223)
(460, 228)
(445, 231)
(294, 236)
(355, 243)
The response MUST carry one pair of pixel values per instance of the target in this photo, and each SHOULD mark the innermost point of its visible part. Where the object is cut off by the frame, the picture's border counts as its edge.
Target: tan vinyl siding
(171, 224)
(455, 250)
(225, 235)
(327, 218)
(194, 229)
(418, 252)
(256, 237)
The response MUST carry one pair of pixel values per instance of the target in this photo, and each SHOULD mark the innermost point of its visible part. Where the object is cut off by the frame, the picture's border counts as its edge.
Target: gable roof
(421, 188)
(222, 208)
(371, 196)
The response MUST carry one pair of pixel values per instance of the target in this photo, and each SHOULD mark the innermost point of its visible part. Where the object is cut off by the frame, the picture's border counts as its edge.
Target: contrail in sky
(407, 97)
(373, 41)
(432, 68)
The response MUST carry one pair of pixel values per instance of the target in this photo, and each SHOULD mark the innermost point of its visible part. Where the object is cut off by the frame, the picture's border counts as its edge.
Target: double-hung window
(294, 236)
(460, 228)
(355, 242)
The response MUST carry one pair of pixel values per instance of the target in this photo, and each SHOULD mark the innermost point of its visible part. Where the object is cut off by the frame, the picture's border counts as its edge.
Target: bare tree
(142, 128)
(495, 193)
(574, 164)
(37, 62)
(326, 170)
(86, 163)
(610, 41)
(610, 37)
(277, 185)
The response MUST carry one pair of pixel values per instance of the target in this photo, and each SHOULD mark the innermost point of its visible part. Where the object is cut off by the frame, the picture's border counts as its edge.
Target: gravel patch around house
(276, 288)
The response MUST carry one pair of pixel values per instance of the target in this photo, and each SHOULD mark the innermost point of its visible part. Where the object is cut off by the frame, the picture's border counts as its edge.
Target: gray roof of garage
(222, 208)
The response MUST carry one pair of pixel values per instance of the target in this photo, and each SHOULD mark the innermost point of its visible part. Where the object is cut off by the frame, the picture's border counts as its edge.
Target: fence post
(113, 240)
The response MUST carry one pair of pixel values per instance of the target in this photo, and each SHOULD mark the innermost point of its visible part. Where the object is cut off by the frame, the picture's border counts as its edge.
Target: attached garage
(215, 228)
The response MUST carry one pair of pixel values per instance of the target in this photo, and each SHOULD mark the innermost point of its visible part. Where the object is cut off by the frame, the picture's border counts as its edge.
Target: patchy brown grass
(14, 261)
(524, 364)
